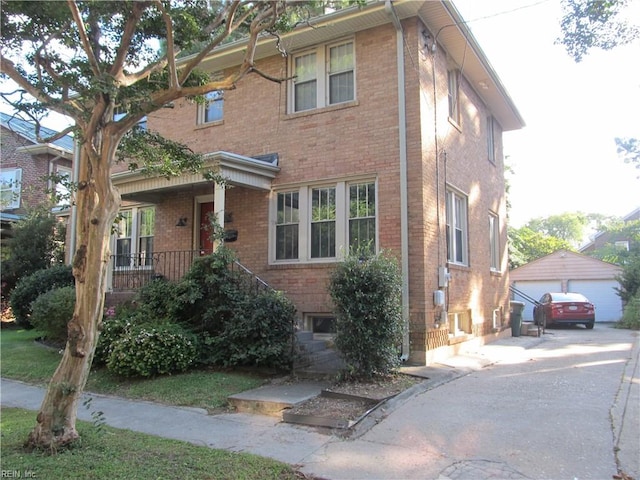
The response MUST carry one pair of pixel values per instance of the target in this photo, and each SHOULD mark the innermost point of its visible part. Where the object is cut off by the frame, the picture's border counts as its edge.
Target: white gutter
(402, 150)
(74, 209)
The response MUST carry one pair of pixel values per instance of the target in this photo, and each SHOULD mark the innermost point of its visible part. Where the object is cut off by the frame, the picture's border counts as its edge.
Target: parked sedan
(564, 309)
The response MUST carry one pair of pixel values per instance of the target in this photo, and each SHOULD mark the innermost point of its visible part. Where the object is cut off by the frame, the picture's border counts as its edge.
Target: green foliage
(629, 150)
(526, 245)
(148, 351)
(569, 227)
(112, 329)
(631, 315)
(35, 245)
(52, 311)
(214, 293)
(630, 280)
(32, 286)
(366, 292)
(588, 24)
(259, 334)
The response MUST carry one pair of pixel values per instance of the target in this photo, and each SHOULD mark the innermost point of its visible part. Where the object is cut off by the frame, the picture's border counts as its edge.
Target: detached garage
(565, 271)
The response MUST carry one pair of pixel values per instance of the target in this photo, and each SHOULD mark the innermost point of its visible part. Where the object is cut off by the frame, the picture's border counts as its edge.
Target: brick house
(619, 240)
(390, 135)
(27, 166)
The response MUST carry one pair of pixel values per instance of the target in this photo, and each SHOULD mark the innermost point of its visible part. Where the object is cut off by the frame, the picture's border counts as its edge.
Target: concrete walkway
(308, 447)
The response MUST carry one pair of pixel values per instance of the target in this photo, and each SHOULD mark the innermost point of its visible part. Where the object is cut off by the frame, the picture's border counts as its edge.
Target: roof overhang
(441, 18)
(46, 149)
(237, 169)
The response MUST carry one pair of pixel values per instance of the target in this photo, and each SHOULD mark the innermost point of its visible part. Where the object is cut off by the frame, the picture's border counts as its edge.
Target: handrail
(520, 293)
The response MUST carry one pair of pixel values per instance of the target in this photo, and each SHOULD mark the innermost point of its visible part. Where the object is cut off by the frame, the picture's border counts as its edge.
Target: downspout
(404, 215)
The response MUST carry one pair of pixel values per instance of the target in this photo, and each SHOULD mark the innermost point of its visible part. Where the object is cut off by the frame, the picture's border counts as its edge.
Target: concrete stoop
(272, 400)
(529, 329)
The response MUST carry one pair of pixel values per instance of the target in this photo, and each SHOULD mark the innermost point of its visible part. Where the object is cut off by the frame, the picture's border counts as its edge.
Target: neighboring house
(565, 271)
(388, 134)
(27, 166)
(619, 240)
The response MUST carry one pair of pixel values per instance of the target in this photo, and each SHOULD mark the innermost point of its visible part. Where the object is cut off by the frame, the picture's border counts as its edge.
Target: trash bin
(516, 317)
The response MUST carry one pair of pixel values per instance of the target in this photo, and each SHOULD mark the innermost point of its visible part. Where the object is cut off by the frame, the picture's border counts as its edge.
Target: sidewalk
(260, 434)
(299, 445)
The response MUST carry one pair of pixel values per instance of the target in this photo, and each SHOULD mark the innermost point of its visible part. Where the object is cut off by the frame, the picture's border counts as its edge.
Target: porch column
(218, 208)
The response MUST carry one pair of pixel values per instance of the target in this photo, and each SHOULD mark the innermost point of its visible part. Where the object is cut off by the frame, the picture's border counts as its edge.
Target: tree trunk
(97, 203)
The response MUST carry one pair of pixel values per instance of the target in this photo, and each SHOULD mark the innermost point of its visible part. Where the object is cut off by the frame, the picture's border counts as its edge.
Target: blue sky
(565, 159)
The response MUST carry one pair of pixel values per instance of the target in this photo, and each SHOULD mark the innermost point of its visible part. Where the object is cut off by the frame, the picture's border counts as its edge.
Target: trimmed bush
(260, 334)
(32, 286)
(366, 291)
(147, 351)
(52, 311)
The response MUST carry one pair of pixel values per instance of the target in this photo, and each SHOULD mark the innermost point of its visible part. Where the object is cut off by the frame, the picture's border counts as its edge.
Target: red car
(564, 309)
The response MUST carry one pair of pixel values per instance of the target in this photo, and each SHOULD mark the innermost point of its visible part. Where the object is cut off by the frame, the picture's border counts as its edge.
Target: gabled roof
(634, 215)
(443, 20)
(560, 262)
(27, 130)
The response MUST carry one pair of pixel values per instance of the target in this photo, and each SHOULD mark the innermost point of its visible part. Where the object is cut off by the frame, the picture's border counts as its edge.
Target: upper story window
(10, 181)
(213, 109)
(317, 223)
(457, 228)
(453, 85)
(324, 76)
(134, 237)
(491, 143)
(494, 241)
(62, 187)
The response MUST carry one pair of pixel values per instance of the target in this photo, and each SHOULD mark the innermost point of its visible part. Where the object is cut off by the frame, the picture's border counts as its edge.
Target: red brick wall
(359, 139)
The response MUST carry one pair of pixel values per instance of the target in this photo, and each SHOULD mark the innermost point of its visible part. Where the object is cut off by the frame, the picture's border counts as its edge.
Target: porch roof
(237, 169)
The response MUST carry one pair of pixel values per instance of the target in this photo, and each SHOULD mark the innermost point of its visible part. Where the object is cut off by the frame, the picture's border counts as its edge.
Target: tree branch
(125, 41)
(93, 61)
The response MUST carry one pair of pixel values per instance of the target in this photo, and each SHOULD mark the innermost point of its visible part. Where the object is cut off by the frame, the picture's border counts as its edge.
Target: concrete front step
(273, 399)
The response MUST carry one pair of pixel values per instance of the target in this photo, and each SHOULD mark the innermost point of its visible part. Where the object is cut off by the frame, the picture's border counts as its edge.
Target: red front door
(206, 244)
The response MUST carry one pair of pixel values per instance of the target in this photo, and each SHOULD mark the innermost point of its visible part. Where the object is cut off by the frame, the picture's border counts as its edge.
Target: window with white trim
(457, 229)
(323, 76)
(494, 241)
(10, 188)
(213, 109)
(62, 187)
(315, 223)
(134, 237)
(491, 145)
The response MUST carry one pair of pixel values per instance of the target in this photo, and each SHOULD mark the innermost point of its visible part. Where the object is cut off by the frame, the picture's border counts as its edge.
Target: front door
(206, 243)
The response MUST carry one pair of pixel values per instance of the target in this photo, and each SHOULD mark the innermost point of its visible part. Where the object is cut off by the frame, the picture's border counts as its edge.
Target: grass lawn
(108, 453)
(22, 358)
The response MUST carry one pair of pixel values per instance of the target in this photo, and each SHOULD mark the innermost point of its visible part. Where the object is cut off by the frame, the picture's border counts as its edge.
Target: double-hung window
(457, 229)
(316, 223)
(494, 241)
(213, 108)
(10, 180)
(62, 187)
(323, 76)
(134, 237)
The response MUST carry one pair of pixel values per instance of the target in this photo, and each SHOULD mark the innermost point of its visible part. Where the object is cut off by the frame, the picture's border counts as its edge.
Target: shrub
(32, 286)
(51, 312)
(259, 334)
(112, 329)
(34, 246)
(366, 292)
(211, 293)
(630, 280)
(631, 314)
(148, 351)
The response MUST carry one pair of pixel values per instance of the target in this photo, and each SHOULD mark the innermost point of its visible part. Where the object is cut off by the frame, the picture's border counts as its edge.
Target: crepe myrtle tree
(88, 60)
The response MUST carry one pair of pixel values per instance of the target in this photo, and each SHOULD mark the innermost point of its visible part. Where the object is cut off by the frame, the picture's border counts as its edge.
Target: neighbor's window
(323, 76)
(457, 231)
(213, 108)
(62, 187)
(134, 237)
(494, 241)
(453, 82)
(323, 222)
(10, 180)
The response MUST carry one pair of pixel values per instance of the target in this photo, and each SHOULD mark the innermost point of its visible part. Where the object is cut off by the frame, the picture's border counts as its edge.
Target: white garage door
(534, 289)
(602, 294)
